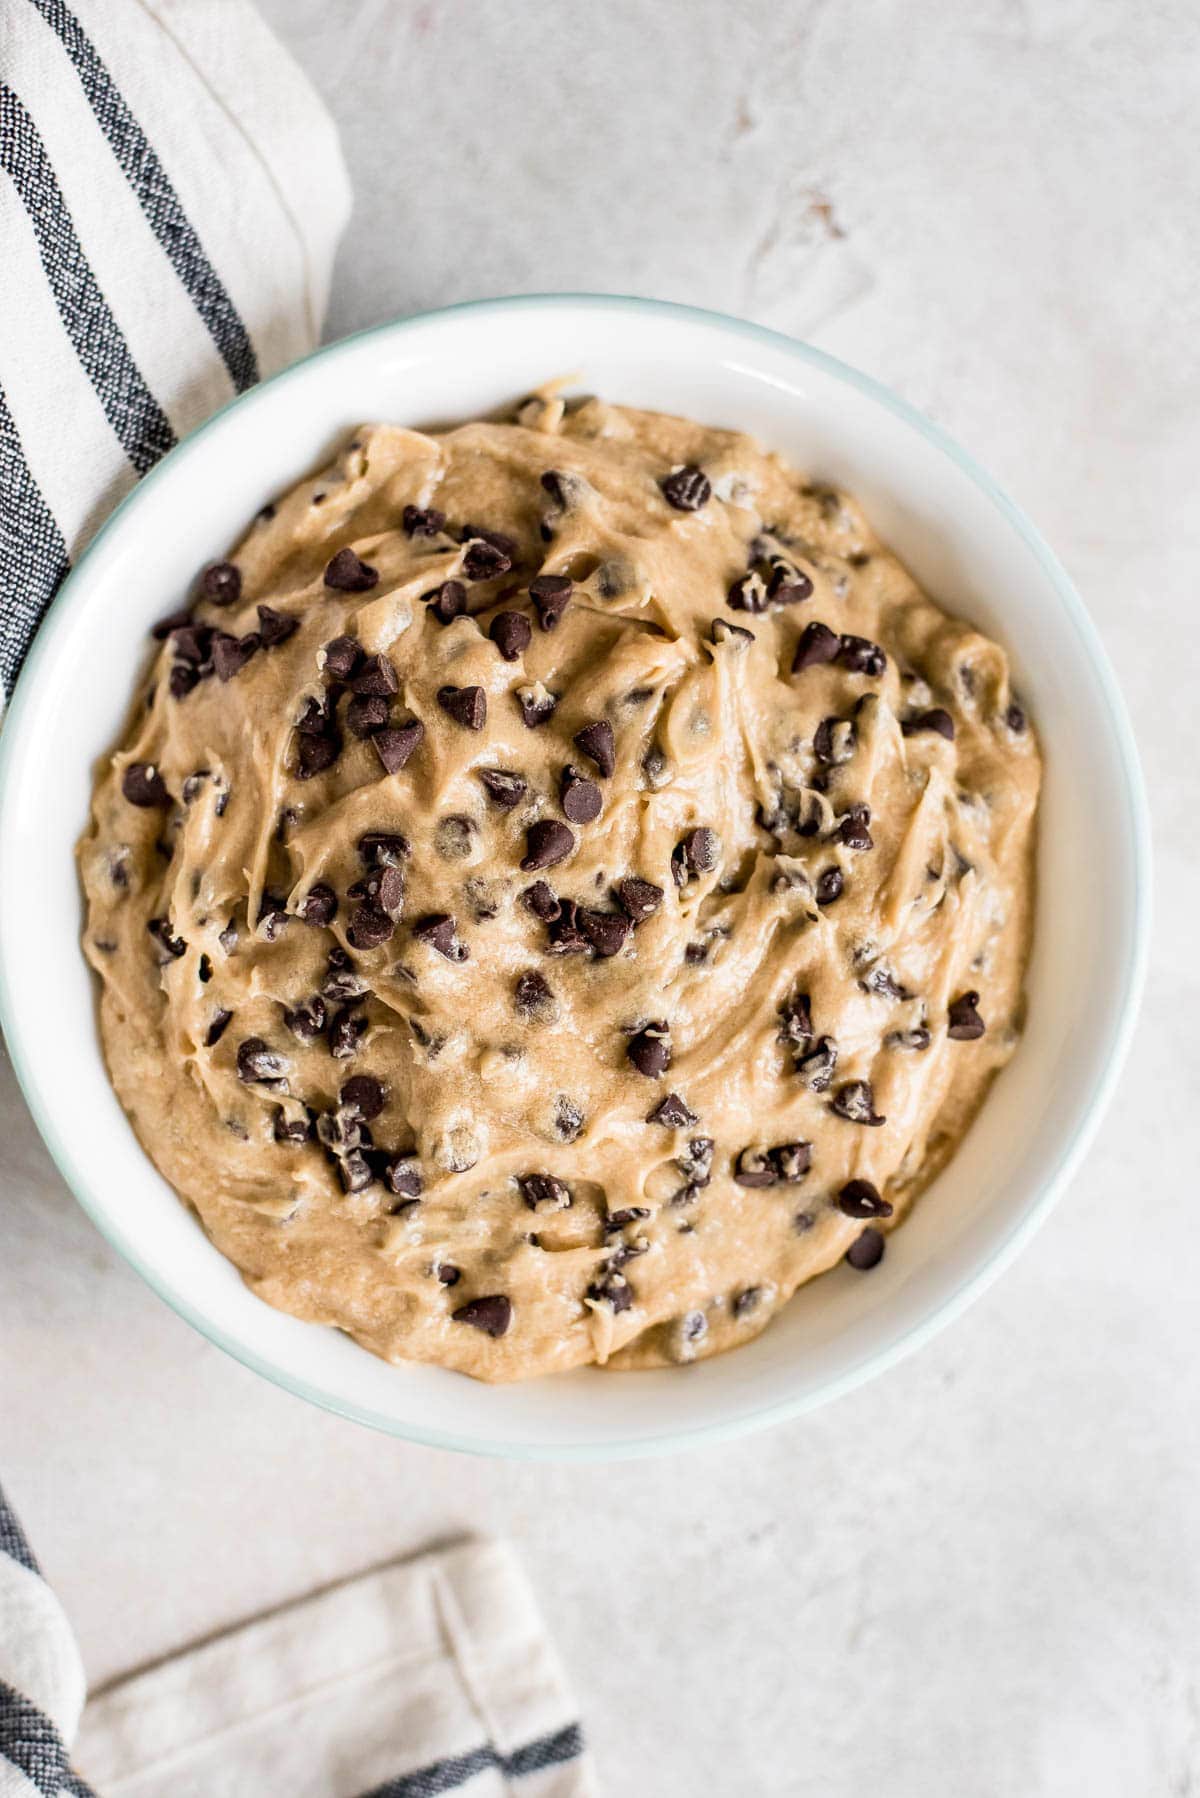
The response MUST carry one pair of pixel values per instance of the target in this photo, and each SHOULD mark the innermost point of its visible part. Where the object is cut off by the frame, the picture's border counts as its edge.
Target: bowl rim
(1034, 1211)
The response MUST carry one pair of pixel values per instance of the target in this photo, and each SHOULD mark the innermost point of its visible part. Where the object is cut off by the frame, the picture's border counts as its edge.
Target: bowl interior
(960, 539)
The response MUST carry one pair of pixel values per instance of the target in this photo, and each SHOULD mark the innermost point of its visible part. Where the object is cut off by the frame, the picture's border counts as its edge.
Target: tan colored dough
(716, 736)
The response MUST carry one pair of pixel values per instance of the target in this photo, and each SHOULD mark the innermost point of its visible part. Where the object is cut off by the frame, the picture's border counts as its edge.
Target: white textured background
(981, 1575)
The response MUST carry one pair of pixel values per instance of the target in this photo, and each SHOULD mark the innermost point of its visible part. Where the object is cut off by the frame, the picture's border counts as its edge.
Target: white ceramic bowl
(961, 538)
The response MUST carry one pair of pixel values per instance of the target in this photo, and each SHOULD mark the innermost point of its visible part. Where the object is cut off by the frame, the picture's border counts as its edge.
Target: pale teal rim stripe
(1135, 807)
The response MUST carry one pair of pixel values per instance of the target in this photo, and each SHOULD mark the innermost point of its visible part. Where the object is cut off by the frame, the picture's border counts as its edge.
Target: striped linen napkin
(171, 196)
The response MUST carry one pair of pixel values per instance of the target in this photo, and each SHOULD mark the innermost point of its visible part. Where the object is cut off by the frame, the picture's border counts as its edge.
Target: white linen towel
(430, 1676)
(172, 192)
(171, 196)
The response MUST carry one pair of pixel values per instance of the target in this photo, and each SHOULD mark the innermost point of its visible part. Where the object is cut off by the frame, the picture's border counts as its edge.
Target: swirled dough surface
(511, 1119)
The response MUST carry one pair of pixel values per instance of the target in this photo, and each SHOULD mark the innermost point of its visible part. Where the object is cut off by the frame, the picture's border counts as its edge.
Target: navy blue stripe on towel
(33, 561)
(30, 1742)
(157, 198)
(140, 423)
(447, 1775)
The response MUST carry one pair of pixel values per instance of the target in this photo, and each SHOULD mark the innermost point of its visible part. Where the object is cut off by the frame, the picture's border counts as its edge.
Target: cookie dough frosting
(563, 886)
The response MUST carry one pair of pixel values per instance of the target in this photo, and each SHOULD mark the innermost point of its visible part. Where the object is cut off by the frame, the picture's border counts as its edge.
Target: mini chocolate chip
(697, 1162)
(748, 593)
(1015, 718)
(695, 853)
(551, 594)
(174, 621)
(606, 931)
(502, 787)
(367, 714)
(687, 488)
(193, 642)
(222, 583)
(788, 585)
(160, 930)
(852, 828)
(345, 1033)
(796, 1019)
(817, 644)
(861, 656)
(383, 849)
(918, 1039)
(375, 678)
(721, 631)
(448, 1274)
(346, 574)
(402, 1175)
(641, 898)
(217, 1026)
(381, 887)
(355, 1171)
(866, 1251)
(580, 798)
(447, 602)
(650, 1050)
(257, 1061)
(533, 994)
(389, 890)
(537, 705)
(620, 1220)
(342, 980)
(491, 1314)
(364, 1096)
(855, 1101)
(369, 927)
(341, 658)
(275, 627)
(306, 1020)
(746, 1301)
(656, 768)
(182, 679)
(437, 929)
(317, 718)
(422, 521)
(484, 560)
(546, 844)
(817, 1067)
(566, 936)
(315, 754)
(542, 901)
(614, 1290)
(598, 743)
(512, 634)
(143, 785)
(829, 886)
(859, 1198)
(557, 486)
(228, 938)
(881, 980)
(272, 917)
(965, 1023)
(568, 1119)
(543, 1193)
(466, 705)
(291, 1130)
(395, 744)
(791, 1160)
(754, 1168)
(938, 720)
(672, 1113)
(834, 741)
